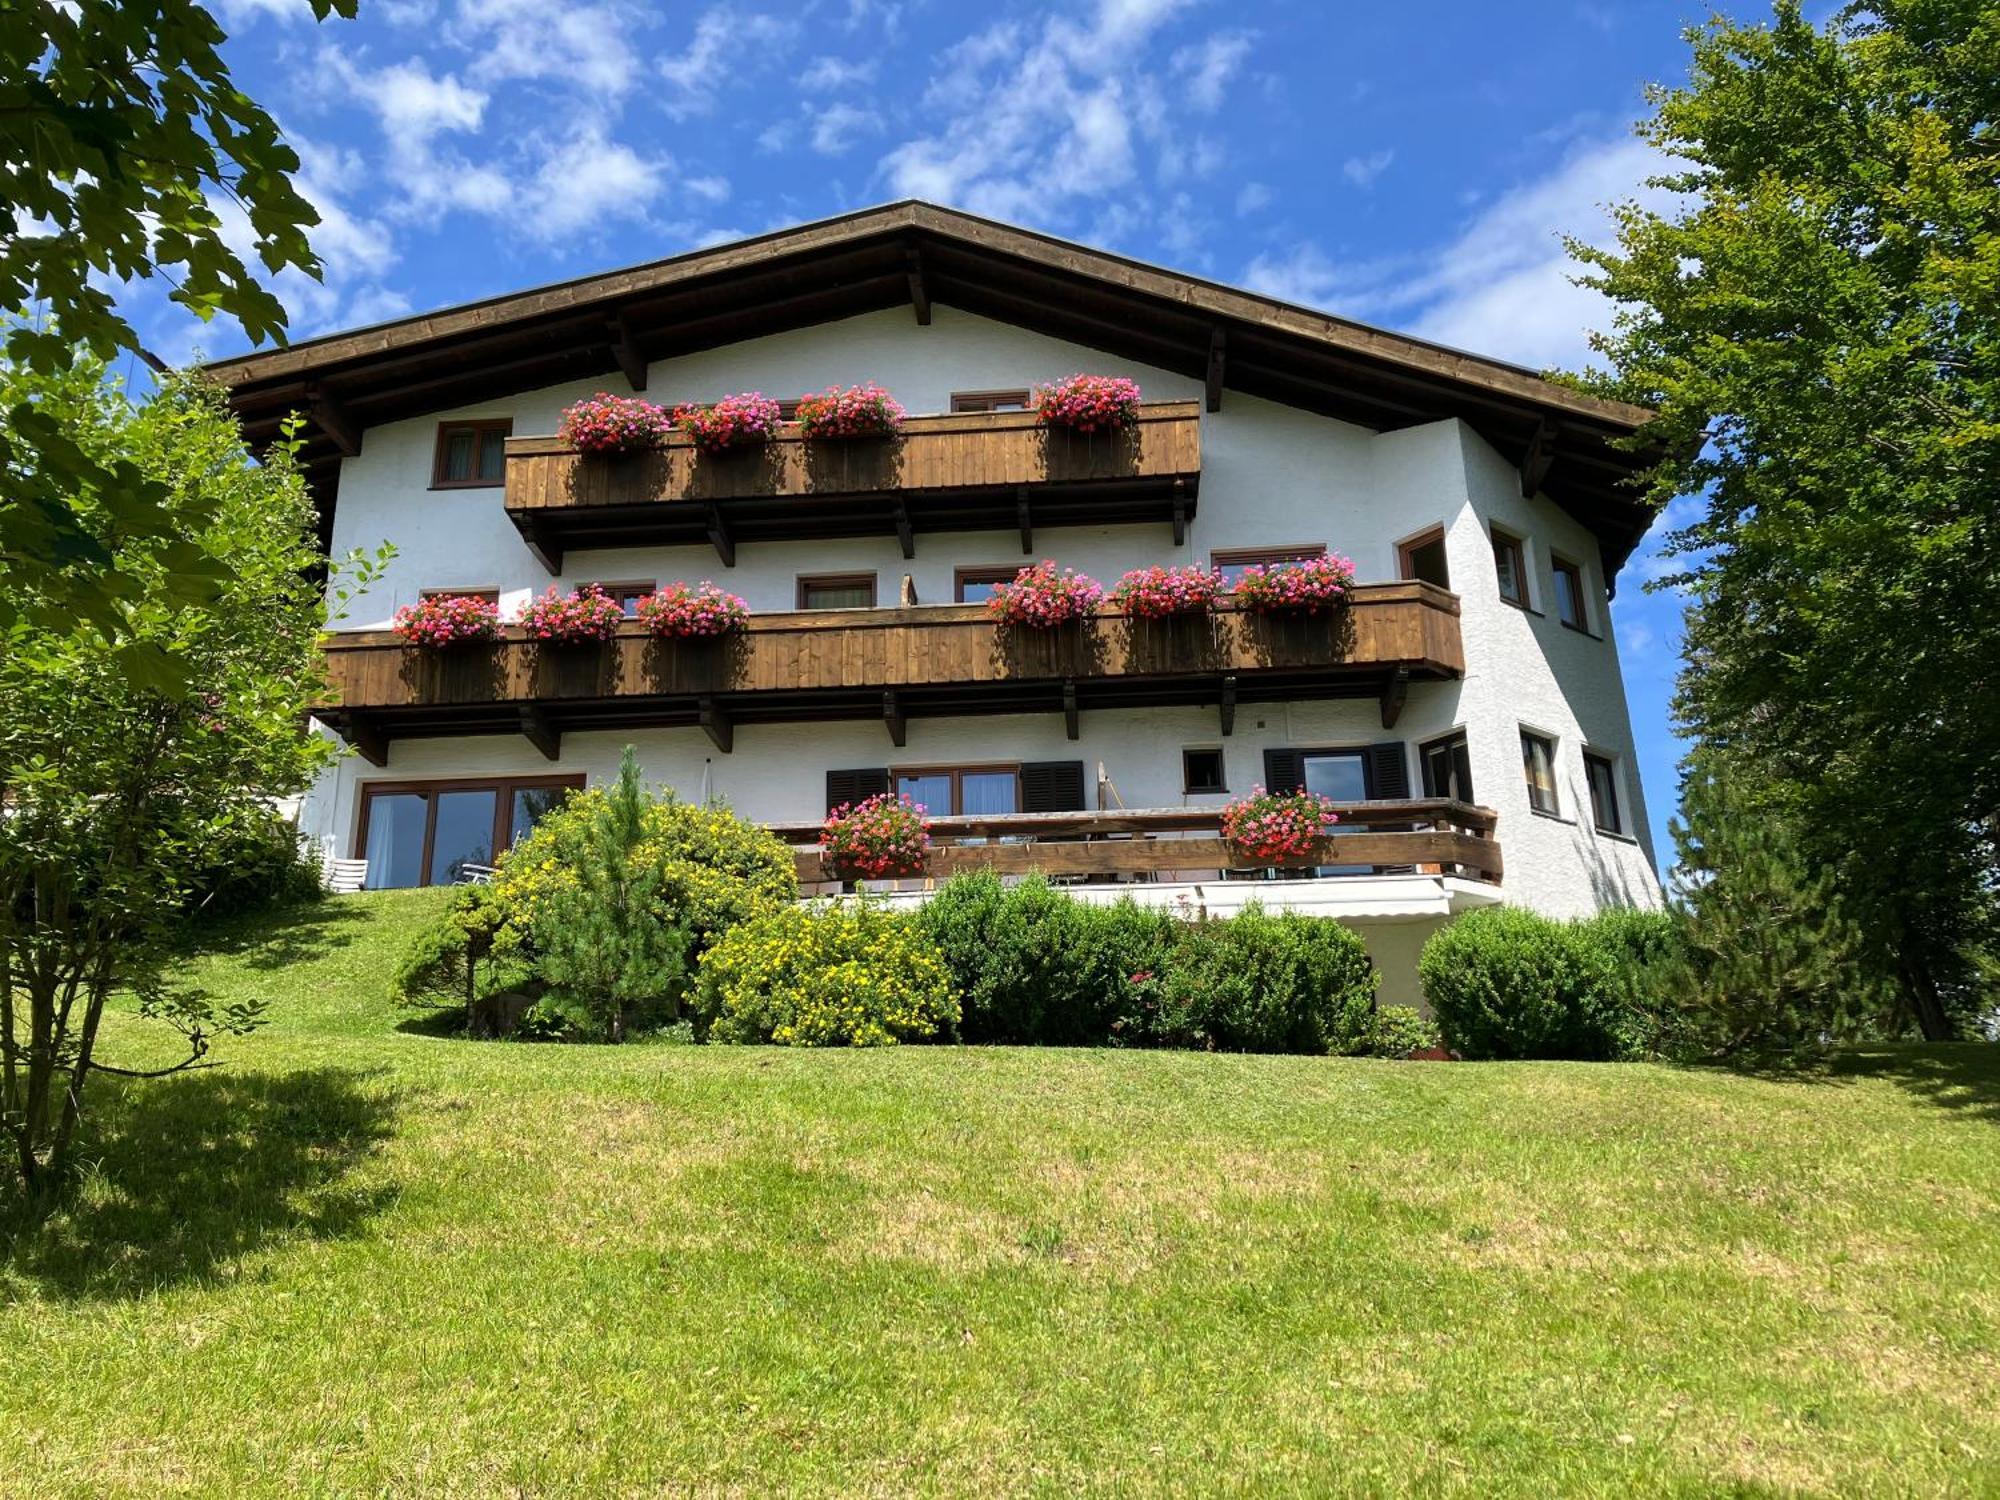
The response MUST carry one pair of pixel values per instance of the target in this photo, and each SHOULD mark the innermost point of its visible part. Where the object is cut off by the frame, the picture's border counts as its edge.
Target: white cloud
(1252, 197)
(1303, 274)
(592, 45)
(725, 46)
(707, 189)
(411, 104)
(1363, 170)
(839, 126)
(1204, 70)
(824, 74)
(586, 180)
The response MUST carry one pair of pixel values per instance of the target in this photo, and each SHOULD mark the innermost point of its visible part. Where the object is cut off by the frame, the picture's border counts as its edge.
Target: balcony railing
(891, 664)
(1429, 836)
(986, 471)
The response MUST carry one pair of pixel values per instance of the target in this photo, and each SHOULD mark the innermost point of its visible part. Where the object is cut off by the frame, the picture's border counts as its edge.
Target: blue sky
(1409, 165)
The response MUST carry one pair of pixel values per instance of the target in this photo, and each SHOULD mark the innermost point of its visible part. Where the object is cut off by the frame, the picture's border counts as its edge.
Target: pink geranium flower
(448, 620)
(1304, 587)
(1277, 828)
(606, 425)
(698, 612)
(1044, 598)
(880, 836)
(1088, 403)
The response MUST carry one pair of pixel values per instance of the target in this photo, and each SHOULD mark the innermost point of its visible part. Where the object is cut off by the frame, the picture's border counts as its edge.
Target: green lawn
(362, 1259)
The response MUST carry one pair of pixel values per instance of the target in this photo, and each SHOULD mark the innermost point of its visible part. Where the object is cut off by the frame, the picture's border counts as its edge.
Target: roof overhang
(1565, 443)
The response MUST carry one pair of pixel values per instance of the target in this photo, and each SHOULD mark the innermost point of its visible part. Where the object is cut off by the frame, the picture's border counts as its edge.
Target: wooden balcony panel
(938, 659)
(964, 472)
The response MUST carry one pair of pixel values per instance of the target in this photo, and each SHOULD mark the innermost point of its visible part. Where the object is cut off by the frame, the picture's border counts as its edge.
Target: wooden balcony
(1429, 836)
(987, 471)
(892, 665)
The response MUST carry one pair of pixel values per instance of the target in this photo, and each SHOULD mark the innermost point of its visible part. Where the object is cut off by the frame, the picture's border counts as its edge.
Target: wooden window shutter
(1388, 772)
(1052, 786)
(853, 786)
(1284, 770)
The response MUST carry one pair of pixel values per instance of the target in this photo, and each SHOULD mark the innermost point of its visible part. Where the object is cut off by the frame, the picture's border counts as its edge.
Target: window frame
(1561, 567)
(957, 773)
(477, 426)
(1221, 787)
(504, 788)
(980, 573)
(619, 589)
(1457, 738)
(491, 596)
(1263, 557)
(1505, 541)
(807, 582)
(1554, 809)
(1407, 547)
(1616, 827)
(977, 403)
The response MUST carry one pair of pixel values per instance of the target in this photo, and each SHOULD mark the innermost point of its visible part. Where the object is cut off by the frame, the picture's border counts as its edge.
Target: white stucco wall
(1272, 475)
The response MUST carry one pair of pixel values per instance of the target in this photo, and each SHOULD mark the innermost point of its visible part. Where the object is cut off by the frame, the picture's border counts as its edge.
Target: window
(1603, 778)
(962, 791)
(1569, 594)
(1201, 771)
(1447, 768)
(1232, 564)
(427, 832)
(968, 401)
(1511, 570)
(628, 595)
(837, 591)
(1423, 559)
(1538, 760)
(975, 585)
(471, 455)
(491, 596)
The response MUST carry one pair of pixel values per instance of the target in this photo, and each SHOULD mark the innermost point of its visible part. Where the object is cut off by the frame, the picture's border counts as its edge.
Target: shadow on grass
(283, 937)
(1962, 1077)
(186, 1175)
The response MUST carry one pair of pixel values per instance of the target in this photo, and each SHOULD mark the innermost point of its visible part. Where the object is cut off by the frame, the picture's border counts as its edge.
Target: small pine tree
(1771, 962)
(604, 950)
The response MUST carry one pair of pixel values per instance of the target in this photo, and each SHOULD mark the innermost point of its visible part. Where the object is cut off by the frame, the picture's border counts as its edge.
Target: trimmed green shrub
(470, 950)
(1399, 1030)
(1647, 955)
(1508, 983)
(1035, 965)
(847, 974)
(1262, 983)
(255, 862)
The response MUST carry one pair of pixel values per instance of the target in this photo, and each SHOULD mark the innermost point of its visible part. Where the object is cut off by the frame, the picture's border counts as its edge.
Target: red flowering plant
(1277, 828)
(449, 620)
(850, 412)
(1160, 593)
(739, 421)
(692, 612)
(605, 425)
(882, 836)
(576, 619)
(1303, 587)
(1044, 598)
(1088, 403)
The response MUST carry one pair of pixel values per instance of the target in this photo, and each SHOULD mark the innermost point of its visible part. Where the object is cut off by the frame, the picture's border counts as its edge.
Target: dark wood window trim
(1243, 557)
(1188, 788)
(1595, 761)
(503, 805)
(810, 581)
(1506, 542)
(478, 428)
(1406, 550)
(1561, 567)
(957, 773)
(977, 401)
(1553, 807)
(627, 589)
(491, 596)
(998, 573)
(1455, 740)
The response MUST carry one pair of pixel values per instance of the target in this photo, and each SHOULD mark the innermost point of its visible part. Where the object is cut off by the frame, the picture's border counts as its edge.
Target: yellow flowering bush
(826, 975)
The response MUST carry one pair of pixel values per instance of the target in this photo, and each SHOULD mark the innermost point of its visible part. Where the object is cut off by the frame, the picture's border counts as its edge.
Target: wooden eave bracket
(366, 736)
(716, 725)
(906, 536)
(627, 350)
(892, 716)
(332, 418)
(920, 293)
(1027, 520)
(1217, 365)
(539, 732)
(1395, 690)
(1539, 459)
(1228, 706)
(1180, 503)
(1071, 728)
(719, 537)
(543, 546)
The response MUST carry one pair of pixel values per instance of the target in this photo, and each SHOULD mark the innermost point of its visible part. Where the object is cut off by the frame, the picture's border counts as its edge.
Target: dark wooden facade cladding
(988, 471)
(915, 255)
(891, 664)
(1433, 834)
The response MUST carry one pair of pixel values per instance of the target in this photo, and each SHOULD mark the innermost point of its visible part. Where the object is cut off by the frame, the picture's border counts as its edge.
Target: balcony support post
(1070, 727)
(1216, 356)
(366, 736)
(1180, 512)
(539, 732)
(719, 537)
(717, 726)
(892, 715)
(625, 349)
(1228, 707)
(1027, 521)
(1395, 689)
(906, 535)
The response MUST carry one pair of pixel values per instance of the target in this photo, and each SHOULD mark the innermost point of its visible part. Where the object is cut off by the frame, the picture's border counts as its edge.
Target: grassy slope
(359, 1258)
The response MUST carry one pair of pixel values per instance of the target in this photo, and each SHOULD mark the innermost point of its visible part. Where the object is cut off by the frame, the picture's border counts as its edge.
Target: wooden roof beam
(1217, 339)
(539, 732)
(920, 295)
(331, 417)
(627, 351)
(1539, 459)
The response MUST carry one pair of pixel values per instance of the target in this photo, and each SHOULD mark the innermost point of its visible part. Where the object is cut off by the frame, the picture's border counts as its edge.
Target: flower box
(1166, 593)
(606, 426)
(1089, 403)
(1307, 586)
(855, 411)
(1278, 828)
(1042, 598)
(883, 837)
(587, 617)
(692, 613)
(445, 620)
(746, 420)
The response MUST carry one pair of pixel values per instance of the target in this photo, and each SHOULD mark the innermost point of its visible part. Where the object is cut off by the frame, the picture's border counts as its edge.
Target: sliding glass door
(430, 833)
